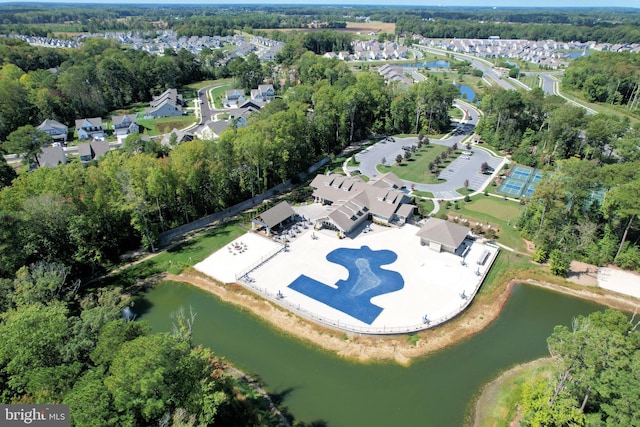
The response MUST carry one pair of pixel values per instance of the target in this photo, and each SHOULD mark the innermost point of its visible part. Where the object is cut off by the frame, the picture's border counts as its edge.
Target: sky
(429, 3)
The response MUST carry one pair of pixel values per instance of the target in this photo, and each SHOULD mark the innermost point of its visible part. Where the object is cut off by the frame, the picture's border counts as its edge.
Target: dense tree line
(87, 216)
(443, 28)
(567, 220)
(602, 25)
(597, 364)
(607, 77)
(582, 156)
(59, 347)
(539, 130)
(87, 82)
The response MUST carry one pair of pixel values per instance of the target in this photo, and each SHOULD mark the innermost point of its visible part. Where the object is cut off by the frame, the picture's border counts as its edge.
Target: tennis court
(520, 182)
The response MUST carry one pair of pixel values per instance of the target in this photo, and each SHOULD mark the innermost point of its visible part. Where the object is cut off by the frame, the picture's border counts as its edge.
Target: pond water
(466, 92)
(317, 386)
(433, 64)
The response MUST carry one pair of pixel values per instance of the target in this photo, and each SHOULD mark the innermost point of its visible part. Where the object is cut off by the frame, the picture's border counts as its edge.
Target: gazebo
(273, 217)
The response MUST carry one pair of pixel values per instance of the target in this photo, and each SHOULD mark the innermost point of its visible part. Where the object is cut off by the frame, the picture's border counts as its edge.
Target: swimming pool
(366, 280)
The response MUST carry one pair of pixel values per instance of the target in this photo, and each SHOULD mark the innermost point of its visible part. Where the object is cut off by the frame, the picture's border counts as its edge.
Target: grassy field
(180, 257)
(165, 124)
(530, 80)
(497, 212)
(416, 169)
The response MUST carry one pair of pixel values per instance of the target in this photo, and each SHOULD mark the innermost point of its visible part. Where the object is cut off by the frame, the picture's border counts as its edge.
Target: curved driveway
(455, 174)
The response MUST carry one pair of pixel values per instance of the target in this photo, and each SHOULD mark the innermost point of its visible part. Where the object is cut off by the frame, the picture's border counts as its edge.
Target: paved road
(461, 169)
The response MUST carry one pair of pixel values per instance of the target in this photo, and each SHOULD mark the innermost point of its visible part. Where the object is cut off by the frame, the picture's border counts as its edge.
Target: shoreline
(398, 348)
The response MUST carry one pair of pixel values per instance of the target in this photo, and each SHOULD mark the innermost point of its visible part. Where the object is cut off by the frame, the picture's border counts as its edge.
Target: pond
(466, 92)
(433, 64)
(317, 386)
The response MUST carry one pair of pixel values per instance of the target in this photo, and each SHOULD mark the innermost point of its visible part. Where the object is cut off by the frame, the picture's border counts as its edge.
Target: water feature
(578, 53)
(435, 390)
(433, 64)
(466, 92)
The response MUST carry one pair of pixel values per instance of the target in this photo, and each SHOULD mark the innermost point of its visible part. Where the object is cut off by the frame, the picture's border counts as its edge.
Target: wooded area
(597, 367)
(74, 221)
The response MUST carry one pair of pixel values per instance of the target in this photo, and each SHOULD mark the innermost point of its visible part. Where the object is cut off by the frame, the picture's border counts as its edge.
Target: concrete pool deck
(434, 282)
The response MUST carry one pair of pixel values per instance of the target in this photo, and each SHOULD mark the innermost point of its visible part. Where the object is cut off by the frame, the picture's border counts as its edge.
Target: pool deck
(434, 282)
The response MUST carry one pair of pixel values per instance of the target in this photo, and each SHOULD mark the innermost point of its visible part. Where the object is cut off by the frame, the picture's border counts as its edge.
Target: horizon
(495, 4)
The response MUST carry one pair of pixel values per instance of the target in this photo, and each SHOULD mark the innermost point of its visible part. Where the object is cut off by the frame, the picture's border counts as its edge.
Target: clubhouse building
(383, 199)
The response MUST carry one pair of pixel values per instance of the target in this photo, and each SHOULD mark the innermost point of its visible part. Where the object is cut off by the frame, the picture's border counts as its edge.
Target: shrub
(467, 198)
(540, 256)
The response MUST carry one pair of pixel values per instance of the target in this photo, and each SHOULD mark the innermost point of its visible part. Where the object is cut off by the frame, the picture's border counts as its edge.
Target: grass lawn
(218, 93)
(506, 266)
(497, 212)
(417, 168)
(499, 401)
(530, 80)
(165, 124)
(423, 193)
(180, 257)
(427, 205)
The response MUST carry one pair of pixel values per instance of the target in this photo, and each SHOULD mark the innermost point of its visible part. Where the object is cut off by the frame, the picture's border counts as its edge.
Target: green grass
(497, 212)
(499, 409)
(505, 264)
(417, 168)
(600, 108)
(423, 193)
(165, 124)
(218, 93)
(428, 205)
(530, 80)
(180, 257)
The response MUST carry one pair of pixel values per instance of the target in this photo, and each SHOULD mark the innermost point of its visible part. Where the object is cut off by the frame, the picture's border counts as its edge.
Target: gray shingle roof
(444, 232)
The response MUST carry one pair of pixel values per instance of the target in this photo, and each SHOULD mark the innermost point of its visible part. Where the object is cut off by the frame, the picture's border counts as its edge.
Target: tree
(43, 282)
(399, 159)
(27, 141)
(558, 263)
(156, 374)
(7, 173)
(32, 350)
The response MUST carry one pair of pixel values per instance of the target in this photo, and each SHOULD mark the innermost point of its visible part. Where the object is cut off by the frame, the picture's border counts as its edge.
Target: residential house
(355, 201)
(213, 129)
(167, 104)
(179, 135)
(125, 124)
(264, 93)
(56, 130)
(90, 128)
(52, 157)
(92, 150)
(233, 97)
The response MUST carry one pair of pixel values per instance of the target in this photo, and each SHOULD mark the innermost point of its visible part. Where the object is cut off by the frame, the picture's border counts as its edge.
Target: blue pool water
(366, 280)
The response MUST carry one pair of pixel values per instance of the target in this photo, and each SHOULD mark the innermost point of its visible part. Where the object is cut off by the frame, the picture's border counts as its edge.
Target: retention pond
(320, 387)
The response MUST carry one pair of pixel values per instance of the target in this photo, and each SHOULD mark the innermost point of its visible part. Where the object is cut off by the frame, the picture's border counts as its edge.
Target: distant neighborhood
(93, 136)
